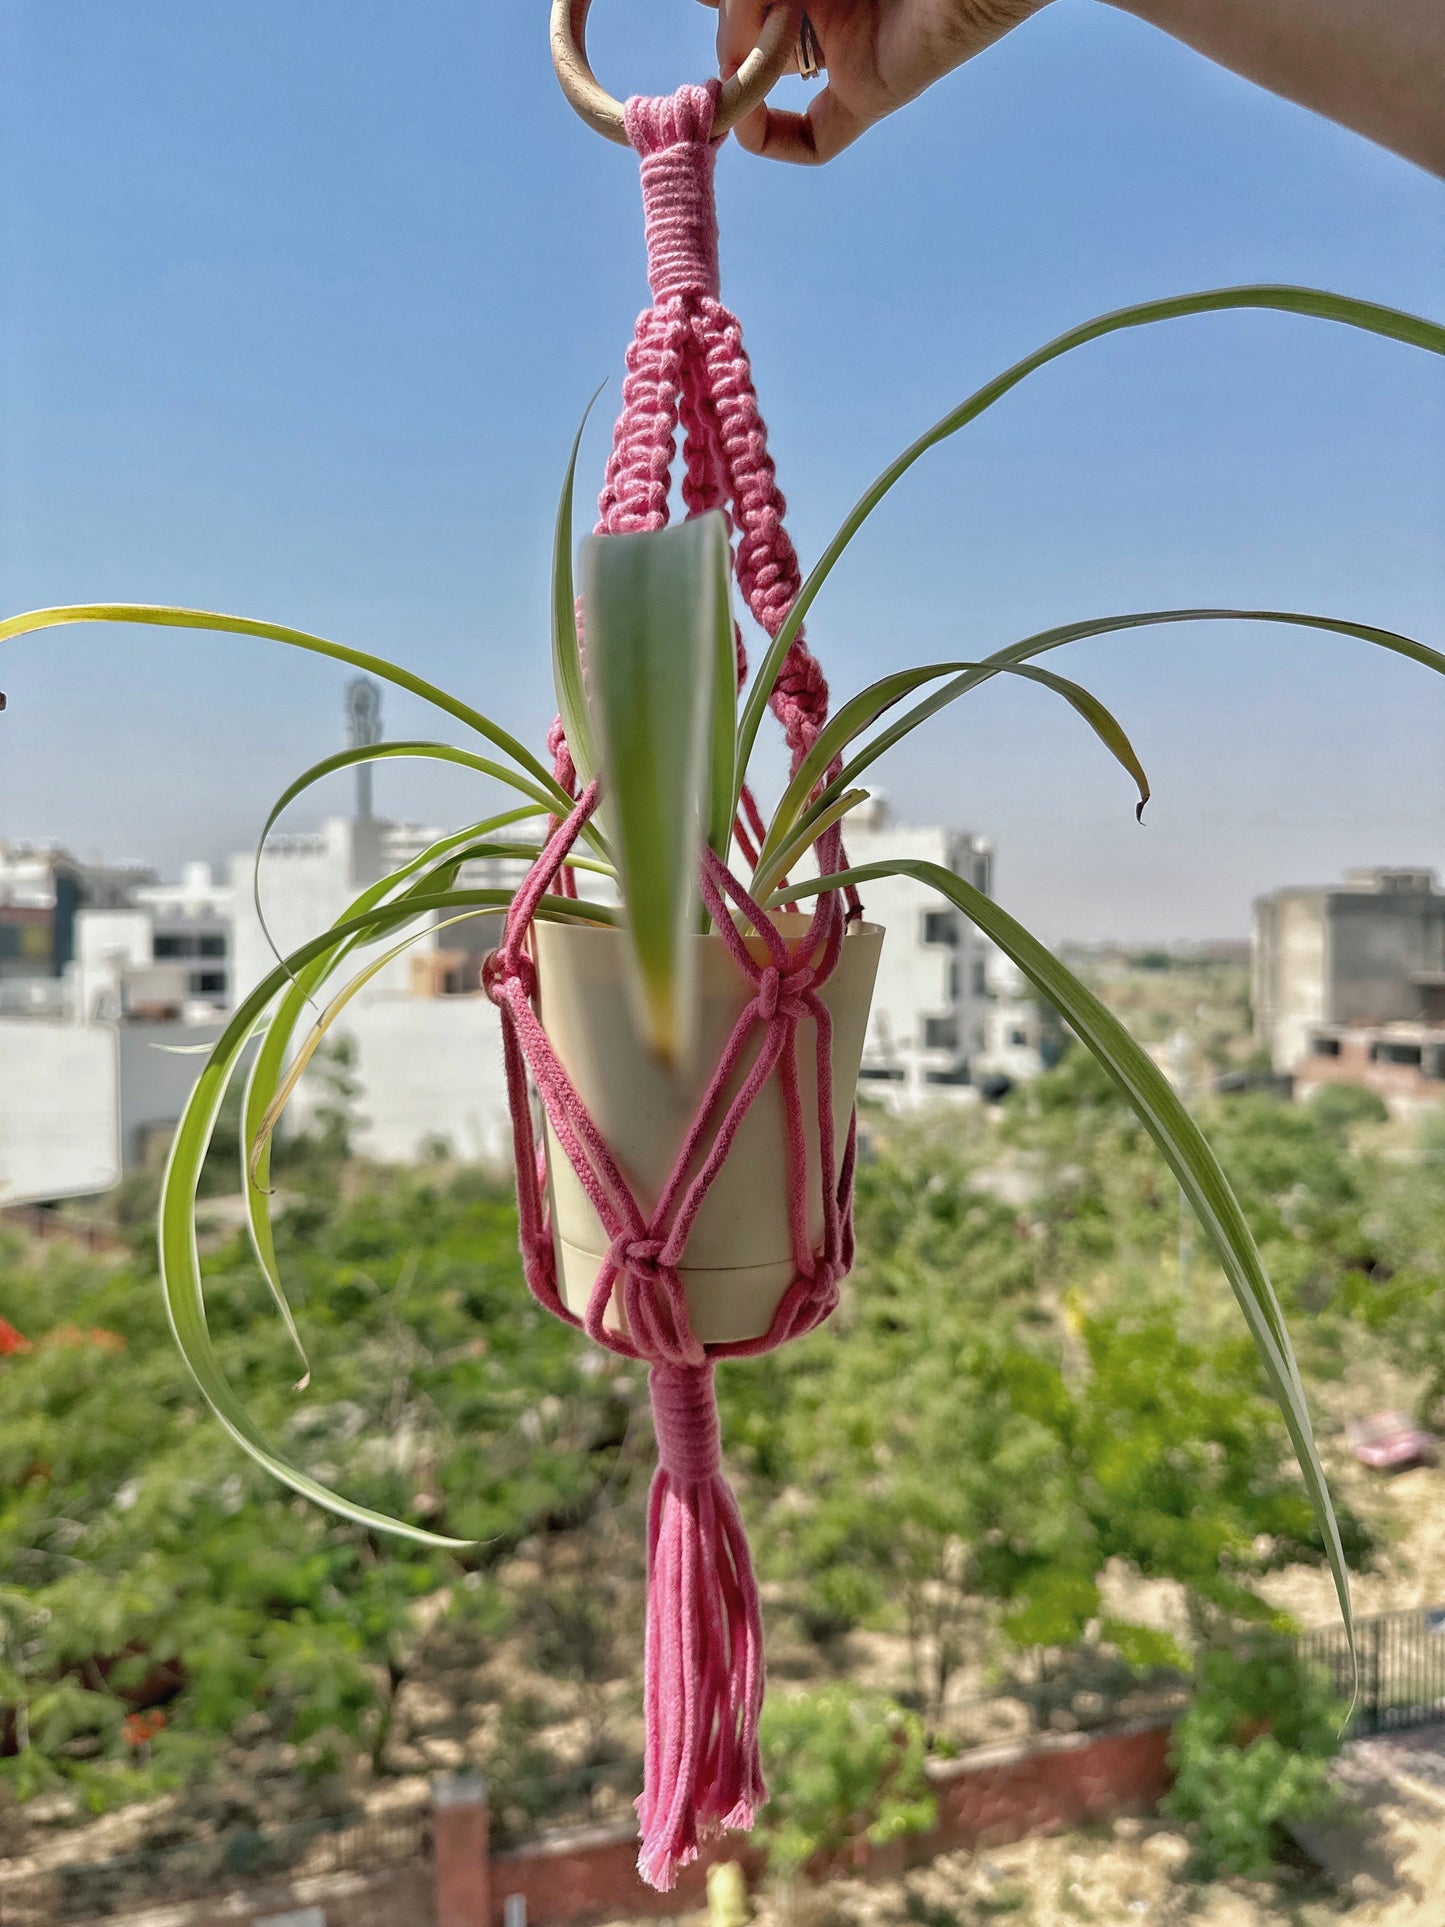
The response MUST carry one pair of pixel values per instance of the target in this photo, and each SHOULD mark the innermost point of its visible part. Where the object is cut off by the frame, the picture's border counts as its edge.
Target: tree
(148, 1557)
(1251, 1754)
(843, 1767)
(1015, 1397)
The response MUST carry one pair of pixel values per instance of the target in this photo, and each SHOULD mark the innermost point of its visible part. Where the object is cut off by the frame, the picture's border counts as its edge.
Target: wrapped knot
(672, 136)
(684, 1416)
(637, 1257)
(783, 994)
(499, 970)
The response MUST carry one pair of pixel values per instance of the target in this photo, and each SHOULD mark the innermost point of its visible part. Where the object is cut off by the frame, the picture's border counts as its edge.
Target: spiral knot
(499, 970)
(684, 1416)
(782, 993)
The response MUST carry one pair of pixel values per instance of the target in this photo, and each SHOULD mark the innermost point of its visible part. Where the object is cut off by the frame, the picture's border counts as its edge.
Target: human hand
(878, 54)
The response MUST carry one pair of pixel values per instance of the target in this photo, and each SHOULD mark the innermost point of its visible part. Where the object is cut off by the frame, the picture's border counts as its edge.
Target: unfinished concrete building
(1349, 982)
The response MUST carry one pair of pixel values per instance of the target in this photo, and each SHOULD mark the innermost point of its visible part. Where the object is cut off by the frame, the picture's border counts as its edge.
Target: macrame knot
(672, 136)
(684, 1416)
(499, 970)
(638, 1258)
(783, 993)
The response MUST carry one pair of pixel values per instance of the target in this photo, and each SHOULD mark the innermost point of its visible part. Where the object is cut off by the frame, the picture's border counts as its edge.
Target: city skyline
(298, 321)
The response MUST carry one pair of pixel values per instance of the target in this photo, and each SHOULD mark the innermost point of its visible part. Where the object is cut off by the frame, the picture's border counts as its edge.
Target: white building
(1014, 1043)
(425, 1041)
(158, 967)
(106, 974)
(948, 1018)
(164, 956)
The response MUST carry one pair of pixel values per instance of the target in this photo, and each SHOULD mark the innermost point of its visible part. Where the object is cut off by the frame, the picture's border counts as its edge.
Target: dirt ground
(1387, 1869)
(1390, 1873)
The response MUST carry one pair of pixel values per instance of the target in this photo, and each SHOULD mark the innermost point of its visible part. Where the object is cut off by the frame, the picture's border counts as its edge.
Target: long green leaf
(566, 646)
(651, 612)
(1316, 303)
(1009, 659)
(1178, 1137)
(155, 616)
(267, 1065)
(179, 1257)
(439, 861)
(259, 1137)
(721, 804)
(383, 752)
(792, 851)
(865, 708)
(316, 1036)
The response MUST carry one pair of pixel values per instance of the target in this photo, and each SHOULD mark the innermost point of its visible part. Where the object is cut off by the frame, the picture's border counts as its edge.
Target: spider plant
(656, 717)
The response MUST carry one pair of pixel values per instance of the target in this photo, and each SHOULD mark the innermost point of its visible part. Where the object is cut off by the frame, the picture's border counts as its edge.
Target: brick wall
(592, 1877)
(995, 1794)
(1007, 1792)
(992, 1795)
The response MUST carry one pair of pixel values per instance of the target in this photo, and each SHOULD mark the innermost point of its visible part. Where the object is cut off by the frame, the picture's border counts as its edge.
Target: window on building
(940, 926)
(958, 1075)
(1386, 1053)
(1327, 1047)
(172, 946)
(980, 978)
(1018, 1037)
(940, 1033)
(208, 983)
(211, 946)
(883, 1074)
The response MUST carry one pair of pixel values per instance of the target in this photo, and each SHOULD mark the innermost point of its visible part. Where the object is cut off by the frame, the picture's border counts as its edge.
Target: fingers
(805, 139)
(739, 25)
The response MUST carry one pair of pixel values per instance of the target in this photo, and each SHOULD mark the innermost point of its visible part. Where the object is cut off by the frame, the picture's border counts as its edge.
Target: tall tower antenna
(363, 727)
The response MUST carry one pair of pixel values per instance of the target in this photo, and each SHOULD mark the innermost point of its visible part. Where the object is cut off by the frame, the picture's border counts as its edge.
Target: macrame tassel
(704, 1667)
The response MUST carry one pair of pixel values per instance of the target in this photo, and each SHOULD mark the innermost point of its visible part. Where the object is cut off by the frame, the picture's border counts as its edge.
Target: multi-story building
(43, 893)
(1348, 982)
(424, 1045)
(936, 1011)
(157, 964)
(162, 956)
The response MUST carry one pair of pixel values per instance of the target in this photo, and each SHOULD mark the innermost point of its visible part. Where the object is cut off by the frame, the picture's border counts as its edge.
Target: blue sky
(300, 307)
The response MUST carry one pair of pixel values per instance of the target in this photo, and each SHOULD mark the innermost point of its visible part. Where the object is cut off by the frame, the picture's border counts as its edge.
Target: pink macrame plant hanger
(704, 1653)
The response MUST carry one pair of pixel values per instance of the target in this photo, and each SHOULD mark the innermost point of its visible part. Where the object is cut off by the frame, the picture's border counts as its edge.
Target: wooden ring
(748, 88)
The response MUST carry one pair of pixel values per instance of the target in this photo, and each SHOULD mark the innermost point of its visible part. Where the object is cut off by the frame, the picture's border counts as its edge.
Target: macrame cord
(704, 1653)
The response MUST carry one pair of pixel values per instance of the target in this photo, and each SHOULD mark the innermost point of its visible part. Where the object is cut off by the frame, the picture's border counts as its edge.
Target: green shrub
(841, 1766)
(1338, 1106)
(1251, 1754)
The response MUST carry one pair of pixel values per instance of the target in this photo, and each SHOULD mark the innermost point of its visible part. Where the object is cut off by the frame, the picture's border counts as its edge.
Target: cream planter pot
(738, 1261)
